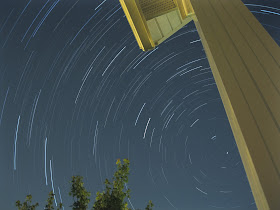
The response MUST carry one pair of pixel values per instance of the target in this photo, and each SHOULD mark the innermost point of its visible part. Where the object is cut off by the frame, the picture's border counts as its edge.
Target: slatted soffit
(153, 21)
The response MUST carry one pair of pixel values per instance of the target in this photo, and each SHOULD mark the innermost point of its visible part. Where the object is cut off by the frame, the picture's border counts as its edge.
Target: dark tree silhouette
(113, 198)
(79, 193)
(49, 205)
(26, 205)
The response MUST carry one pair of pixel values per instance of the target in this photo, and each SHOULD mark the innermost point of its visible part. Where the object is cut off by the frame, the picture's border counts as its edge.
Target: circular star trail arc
(77, 93)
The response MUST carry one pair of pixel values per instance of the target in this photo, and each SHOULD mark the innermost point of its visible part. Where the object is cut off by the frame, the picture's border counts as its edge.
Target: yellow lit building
(245, 62)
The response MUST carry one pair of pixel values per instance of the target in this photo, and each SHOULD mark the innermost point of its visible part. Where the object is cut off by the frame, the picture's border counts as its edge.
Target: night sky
(77, 93)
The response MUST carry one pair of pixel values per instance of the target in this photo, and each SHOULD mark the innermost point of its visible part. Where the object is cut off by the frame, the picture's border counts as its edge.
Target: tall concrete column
(245, 62)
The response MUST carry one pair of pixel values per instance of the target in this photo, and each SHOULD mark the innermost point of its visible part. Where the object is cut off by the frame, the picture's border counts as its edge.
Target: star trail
(77, 93)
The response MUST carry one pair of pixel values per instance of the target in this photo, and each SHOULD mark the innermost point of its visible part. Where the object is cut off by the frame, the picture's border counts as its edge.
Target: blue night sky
(77, 93)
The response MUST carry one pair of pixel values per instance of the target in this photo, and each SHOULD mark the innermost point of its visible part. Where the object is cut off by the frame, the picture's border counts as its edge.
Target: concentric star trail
(76, 88)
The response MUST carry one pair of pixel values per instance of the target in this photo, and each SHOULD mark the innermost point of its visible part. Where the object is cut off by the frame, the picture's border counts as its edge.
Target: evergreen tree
(26, 205)
(49, 205)
(113, 196)
(79, 193)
